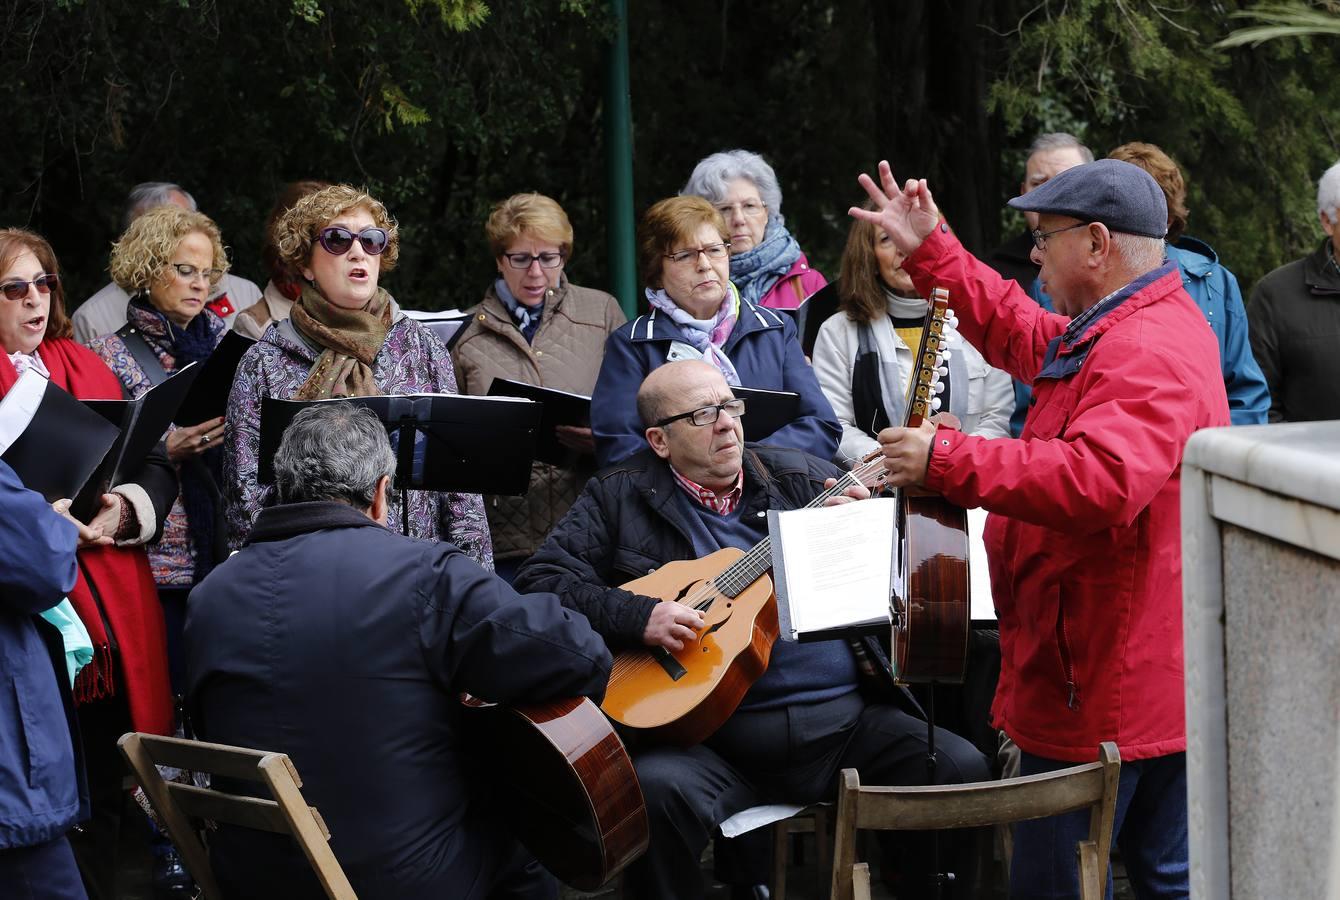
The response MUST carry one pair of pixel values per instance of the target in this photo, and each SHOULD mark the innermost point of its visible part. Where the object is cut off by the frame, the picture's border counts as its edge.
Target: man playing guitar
(819, 707)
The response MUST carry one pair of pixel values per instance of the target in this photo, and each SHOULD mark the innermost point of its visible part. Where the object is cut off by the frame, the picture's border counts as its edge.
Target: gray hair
(151, 194)
(711, 174)
(1139, 253)
(1059, 140)
(333, 451)
(1328, 194)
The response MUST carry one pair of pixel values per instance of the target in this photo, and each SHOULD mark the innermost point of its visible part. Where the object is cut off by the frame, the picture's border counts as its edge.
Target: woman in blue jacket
(42, 791)
(696, 313)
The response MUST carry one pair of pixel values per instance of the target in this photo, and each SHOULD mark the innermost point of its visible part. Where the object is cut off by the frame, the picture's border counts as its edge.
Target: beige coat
(565, 355)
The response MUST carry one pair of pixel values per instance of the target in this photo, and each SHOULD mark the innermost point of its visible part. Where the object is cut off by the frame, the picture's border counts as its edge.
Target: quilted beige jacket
(565, 355)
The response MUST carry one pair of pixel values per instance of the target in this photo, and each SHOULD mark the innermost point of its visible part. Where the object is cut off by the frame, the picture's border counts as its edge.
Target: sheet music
(838, 563)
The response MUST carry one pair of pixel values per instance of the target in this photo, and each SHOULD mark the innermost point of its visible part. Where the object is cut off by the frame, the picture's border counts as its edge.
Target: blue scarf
(756, 271)
(527, 317)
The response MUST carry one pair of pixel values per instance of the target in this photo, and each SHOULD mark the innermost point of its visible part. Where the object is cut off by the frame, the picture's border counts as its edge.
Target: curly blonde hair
(295, 233)
(145, 250)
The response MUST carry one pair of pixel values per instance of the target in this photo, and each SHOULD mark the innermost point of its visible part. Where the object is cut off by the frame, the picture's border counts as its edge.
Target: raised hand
(907, 215)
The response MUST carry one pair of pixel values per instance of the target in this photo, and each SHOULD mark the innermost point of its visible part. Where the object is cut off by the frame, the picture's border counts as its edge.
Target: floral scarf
(705, 335)
(351, 340)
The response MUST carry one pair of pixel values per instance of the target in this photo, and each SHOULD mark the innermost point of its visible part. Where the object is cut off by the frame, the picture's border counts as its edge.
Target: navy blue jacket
(42, 791)
(765, 352)
(345, 645)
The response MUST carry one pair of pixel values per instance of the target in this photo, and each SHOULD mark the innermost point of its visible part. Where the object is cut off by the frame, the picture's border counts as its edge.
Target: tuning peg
(935, 403)
(939, 387)
(945, 355)
(942, 371)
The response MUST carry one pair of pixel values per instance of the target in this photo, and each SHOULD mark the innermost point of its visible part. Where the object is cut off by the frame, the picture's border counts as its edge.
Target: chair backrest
(177, 804)
(1091, 785)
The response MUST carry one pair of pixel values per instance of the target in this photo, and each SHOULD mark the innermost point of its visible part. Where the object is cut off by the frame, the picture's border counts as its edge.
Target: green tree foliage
(442, 107)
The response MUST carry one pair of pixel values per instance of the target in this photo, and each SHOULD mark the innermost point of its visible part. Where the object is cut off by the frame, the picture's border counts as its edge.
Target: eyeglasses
(17, 290)
(189, 273)
(712, 251)
(708, 414)
(1040, 237)
(337, 241)
(750, 209)
(523, 260)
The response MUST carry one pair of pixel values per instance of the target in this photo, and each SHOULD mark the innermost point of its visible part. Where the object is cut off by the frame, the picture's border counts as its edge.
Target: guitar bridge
(672, 666)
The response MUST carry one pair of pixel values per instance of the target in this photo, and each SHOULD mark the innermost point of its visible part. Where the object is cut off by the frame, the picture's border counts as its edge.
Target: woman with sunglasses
(766, 263)
(536, 327)
(697, 313)
(345, 337)
(125, 685)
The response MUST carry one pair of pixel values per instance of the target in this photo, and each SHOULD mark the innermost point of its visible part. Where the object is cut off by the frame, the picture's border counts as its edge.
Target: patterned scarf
(527, 317)
(176, 346)
(351, 339)
(705, 335)
(756, 271)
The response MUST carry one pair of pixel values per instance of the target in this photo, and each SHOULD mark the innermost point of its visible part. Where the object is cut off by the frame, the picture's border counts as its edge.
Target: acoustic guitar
(931, 614)
(683, 697)
(567, 790)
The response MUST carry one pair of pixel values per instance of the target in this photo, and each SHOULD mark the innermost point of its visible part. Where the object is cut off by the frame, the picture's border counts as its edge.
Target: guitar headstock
(931, 359)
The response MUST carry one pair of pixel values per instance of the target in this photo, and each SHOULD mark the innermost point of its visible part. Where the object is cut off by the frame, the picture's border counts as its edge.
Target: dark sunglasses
(337, 240)
(17, 290)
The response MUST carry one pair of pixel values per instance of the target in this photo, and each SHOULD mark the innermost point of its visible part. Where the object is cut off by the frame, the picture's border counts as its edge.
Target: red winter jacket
(1084, 544)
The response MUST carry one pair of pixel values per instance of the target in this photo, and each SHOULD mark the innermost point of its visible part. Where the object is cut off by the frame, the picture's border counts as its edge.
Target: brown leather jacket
(566, 355)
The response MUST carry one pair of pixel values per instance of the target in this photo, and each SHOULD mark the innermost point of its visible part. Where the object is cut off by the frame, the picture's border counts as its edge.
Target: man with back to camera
(346, 645)
(1084, 540)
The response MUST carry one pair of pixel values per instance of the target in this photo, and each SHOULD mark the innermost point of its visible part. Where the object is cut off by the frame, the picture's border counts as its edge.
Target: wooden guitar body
(568, 788)
(683, 697)
(931, 621)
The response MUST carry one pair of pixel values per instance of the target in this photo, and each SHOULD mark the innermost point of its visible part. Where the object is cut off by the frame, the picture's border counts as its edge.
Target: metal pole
(619, 164)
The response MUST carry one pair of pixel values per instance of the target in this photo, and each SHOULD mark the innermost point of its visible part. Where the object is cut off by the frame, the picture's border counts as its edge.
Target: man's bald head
(661, 391)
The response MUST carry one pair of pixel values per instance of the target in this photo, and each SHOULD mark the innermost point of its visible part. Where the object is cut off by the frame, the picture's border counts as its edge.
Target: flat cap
(1122, 196)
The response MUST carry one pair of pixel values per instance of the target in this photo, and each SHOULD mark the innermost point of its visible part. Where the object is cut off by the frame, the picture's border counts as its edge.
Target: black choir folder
(766, 411)
(560, 408)
(443, 442)
(66, 448)
(813, 311)
(208, 397)
(835, 569)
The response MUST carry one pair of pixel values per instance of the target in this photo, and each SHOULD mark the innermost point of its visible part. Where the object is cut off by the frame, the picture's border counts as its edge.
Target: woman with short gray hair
(766, 263)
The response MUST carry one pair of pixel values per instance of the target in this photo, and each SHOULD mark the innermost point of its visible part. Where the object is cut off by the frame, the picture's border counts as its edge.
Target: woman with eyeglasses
(766, 263)
(345, 337)
(864, 355)
(697, 313)
(124, 685)
(535, 326)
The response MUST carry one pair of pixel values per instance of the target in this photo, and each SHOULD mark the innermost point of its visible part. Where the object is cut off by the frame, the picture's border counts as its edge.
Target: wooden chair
(178, 804)
(1092, 785)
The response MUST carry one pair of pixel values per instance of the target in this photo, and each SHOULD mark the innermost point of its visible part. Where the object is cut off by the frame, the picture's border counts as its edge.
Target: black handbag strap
(144, 354)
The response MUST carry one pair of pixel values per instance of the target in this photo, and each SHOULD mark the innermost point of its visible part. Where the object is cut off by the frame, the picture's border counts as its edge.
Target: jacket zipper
(1067, 664)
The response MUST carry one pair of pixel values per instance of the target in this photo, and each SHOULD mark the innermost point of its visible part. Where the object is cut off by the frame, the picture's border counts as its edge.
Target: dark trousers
(44, 872)
(1150, 828)
(793, 755)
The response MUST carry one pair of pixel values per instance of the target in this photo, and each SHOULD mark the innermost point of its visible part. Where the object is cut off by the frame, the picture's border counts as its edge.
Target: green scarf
(350, 338)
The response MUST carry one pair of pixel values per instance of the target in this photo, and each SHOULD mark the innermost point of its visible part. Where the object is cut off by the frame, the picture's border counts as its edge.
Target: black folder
(475, 445)
(446, 324)
(766, 411)
(208, 397)
(53, 442)
(560, 408)
(142, 422)
(813, 312)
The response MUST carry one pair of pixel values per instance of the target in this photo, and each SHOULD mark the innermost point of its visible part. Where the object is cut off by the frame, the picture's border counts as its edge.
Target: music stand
(442, 442)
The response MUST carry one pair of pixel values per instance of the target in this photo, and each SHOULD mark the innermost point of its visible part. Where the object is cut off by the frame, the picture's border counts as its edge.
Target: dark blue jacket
(42, 791)
(765, 352)
(345, 645)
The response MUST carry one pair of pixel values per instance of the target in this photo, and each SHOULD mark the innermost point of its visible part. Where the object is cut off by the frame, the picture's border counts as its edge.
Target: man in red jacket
(1084, 540)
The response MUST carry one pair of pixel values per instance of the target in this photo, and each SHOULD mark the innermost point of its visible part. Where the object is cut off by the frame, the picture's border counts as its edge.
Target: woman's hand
(576, 438)
(88, 535)
(108, 519)
(190, 442)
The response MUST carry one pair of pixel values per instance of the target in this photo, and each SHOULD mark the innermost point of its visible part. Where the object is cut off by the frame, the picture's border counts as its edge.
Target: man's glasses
(189, 273)
(337, 241)
(706, 415)
(17, 290)
(750, 209)
(1040, 237)
(523, 260)
(712, 251)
